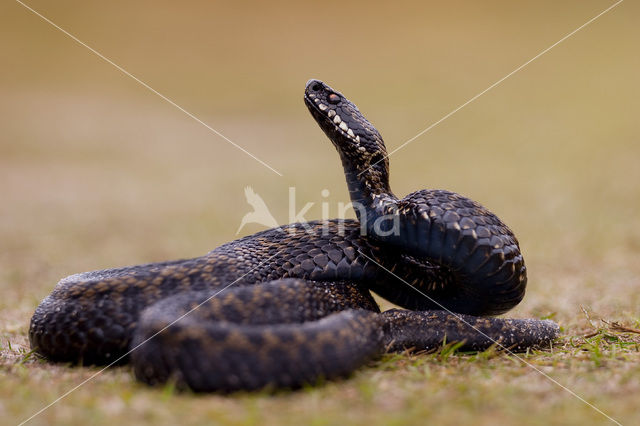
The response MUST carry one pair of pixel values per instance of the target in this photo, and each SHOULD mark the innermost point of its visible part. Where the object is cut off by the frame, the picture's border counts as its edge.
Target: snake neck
(372, 199)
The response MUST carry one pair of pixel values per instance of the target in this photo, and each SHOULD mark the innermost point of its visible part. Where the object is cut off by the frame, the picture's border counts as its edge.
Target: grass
(487, 387)
(97, 172)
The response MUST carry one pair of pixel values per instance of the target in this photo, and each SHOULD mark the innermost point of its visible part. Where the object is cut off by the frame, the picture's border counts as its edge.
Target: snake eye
(334, 99)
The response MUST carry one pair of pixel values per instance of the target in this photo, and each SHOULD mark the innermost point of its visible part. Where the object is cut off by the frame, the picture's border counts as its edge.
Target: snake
(293, 306)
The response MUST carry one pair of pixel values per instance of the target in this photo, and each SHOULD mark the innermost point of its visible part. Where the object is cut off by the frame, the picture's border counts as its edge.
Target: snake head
(359, 144)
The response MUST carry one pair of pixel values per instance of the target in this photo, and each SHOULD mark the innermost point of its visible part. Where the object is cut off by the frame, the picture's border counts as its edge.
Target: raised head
(359, 144)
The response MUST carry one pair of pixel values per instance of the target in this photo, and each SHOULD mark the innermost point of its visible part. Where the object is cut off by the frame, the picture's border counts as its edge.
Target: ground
(96, 171)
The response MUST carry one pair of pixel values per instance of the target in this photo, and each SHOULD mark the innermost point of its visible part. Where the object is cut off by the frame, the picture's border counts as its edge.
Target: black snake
(291, 305)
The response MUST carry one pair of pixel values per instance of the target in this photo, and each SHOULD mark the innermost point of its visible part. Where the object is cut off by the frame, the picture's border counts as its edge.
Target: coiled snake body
(290, 306)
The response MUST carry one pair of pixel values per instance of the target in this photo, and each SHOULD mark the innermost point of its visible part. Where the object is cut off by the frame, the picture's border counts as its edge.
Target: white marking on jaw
(361, 149)
(341, 124)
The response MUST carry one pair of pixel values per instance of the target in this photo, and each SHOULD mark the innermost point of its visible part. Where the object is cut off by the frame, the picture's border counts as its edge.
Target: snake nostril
(316, 87)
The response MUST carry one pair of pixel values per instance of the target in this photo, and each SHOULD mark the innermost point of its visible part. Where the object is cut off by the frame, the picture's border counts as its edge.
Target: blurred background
(97, 171)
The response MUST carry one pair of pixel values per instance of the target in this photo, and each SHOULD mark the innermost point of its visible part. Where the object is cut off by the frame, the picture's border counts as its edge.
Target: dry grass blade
(616, 326)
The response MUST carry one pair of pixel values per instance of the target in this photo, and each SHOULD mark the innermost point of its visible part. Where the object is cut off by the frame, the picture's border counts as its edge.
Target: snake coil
(292, 305)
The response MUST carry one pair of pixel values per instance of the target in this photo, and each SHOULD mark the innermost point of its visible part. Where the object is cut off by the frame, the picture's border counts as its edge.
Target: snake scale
(292, 305)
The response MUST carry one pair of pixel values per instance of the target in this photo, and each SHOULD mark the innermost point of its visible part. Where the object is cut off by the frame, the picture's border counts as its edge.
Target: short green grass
(487, 387)
(95, 172)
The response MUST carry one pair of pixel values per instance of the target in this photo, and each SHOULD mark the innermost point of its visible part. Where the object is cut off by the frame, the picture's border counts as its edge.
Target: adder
(292, 305)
